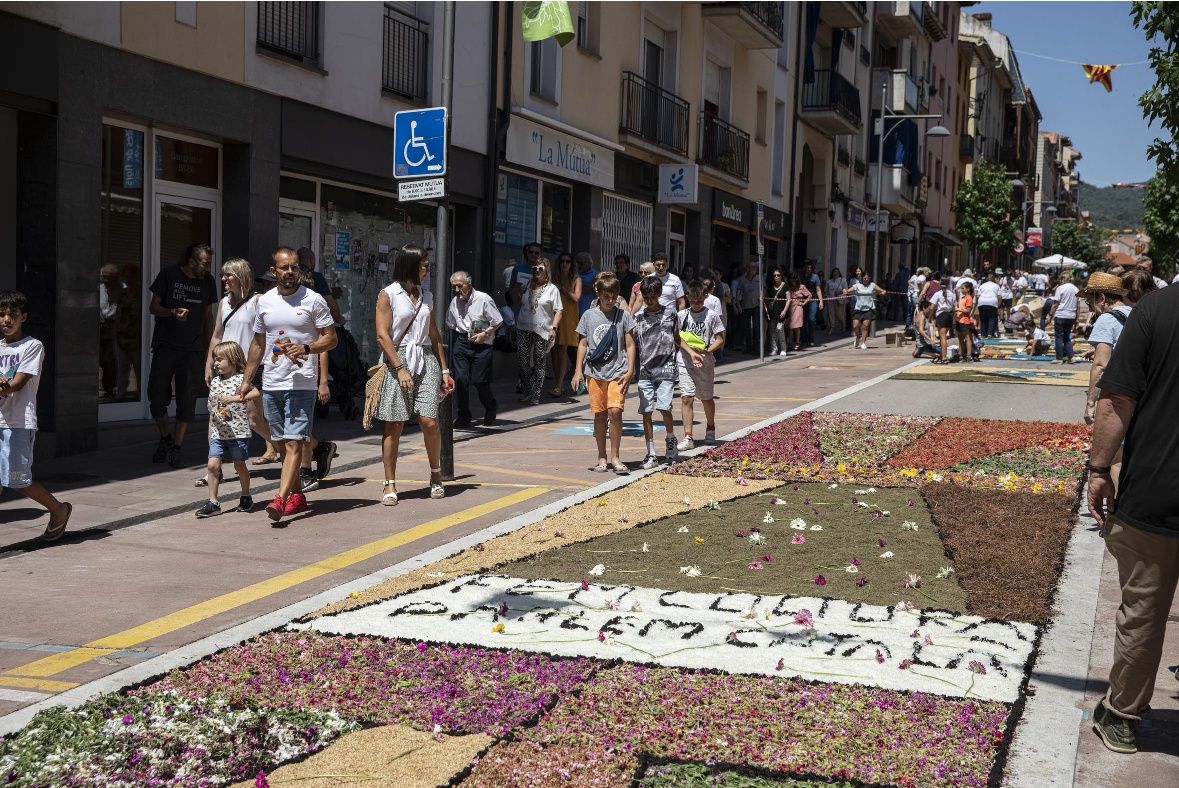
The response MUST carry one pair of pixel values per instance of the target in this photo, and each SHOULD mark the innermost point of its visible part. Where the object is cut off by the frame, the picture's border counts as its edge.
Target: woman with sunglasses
(568, 282)
(536, 328)
(416, 377)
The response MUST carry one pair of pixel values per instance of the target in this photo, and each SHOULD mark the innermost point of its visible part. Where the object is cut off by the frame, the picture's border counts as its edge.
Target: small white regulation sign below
(425, 189)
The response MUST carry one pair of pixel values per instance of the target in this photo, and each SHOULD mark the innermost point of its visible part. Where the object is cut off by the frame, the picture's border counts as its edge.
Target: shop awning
(942, 237)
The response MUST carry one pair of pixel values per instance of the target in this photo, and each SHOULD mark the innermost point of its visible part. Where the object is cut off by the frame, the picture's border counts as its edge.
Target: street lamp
(885, 112)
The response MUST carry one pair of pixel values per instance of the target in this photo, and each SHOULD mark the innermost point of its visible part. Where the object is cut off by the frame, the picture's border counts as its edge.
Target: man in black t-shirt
(627, 278)
(182, 299)
(1139, 397)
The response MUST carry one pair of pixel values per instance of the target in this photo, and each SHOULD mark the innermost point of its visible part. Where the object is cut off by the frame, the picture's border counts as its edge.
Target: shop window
(555, 203)
(192, 163)
(528, 210)
(296, 189)
(120, 259)
(362, 232)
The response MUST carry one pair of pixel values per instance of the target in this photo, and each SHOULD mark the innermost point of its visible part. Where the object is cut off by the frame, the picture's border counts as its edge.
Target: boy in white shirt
(21, 358)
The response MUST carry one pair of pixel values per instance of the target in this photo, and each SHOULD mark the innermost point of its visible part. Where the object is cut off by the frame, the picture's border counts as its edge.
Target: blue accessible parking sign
(419, 143)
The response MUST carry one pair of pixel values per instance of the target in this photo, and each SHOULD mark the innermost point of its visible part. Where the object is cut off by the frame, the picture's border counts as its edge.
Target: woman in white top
(864, 308)
(416, 377)
(989, 298)
(944, 306)
(536, 329)
(234, 322)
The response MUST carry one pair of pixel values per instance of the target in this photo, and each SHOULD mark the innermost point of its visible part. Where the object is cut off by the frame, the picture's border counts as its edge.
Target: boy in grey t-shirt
(658, 339)
(696, 372)
(606, 378)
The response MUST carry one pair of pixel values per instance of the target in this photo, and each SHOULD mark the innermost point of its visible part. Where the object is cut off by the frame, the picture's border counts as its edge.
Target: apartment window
(760, 126)
(544, 70)
(716, 89)
(291, 30)
(589, 22)
(779, 146)
(937, 174)
(403, 66)
(945, 180)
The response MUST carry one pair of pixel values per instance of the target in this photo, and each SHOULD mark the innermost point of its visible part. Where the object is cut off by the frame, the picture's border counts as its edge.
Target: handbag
(376, 379)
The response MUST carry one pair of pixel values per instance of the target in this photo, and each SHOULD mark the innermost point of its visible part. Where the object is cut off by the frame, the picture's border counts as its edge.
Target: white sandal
(390, 498)
(436, 488)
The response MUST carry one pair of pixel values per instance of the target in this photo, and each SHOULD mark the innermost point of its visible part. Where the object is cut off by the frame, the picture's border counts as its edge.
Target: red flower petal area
(790, 442)
(957, 440)
(465, 690)
(784, 725)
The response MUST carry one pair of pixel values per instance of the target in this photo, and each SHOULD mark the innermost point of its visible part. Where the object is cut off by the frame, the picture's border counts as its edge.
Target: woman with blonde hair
(536, 328)
(568, 282)
(234, 322)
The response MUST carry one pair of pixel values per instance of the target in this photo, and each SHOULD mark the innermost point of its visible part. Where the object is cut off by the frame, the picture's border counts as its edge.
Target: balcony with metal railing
(752, 25)
(965, 148)
(406, 54)
(290, 30)
(723, 147)
(653, 114)
(844, 14)
(831, 103)
(901, 18)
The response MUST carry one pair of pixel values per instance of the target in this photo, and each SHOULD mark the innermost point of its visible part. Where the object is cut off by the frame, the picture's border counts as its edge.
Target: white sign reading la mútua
(546, 149)
(678, 183)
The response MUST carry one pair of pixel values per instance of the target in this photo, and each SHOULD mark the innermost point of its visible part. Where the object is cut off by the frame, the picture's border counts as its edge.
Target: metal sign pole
(442, 255)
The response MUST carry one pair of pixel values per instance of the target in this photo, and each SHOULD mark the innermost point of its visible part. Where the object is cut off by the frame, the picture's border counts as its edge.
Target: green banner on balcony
(543, 19)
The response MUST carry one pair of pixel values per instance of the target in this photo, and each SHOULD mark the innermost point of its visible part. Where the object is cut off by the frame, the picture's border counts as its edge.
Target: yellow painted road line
(525, 474)
(480, 484)
(37, 684)
(56, 663)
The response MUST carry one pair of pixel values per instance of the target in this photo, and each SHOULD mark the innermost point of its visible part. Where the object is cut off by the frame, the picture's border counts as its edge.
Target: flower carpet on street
(994, 370)
(835, 599)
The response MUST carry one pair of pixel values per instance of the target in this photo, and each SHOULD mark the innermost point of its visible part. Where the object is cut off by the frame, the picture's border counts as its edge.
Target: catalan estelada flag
(1101, 74)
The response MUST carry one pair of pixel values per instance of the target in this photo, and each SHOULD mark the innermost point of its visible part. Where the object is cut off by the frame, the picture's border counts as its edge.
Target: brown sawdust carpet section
(647, 499)
(390, 755)
(1008, 547)
(718, 542)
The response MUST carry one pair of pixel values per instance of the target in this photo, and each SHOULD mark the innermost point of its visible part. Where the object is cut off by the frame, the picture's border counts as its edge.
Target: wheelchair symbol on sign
(415, 141)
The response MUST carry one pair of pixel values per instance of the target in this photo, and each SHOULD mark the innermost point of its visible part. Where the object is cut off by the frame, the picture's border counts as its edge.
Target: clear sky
(1108, 128)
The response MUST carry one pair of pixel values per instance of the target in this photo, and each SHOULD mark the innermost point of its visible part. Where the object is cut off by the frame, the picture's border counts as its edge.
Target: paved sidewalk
(130, 583)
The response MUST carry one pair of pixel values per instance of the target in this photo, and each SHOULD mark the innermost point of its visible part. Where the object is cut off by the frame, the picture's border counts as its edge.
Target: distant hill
(1112, 208)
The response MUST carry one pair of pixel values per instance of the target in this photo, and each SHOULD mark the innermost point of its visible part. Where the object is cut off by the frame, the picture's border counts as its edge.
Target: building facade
(145, 127)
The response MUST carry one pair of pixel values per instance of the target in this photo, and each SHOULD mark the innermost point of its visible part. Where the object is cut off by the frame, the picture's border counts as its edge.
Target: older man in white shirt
(474, 318)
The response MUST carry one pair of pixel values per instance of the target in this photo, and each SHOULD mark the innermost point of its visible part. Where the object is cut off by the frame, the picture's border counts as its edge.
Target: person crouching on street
(606, 360)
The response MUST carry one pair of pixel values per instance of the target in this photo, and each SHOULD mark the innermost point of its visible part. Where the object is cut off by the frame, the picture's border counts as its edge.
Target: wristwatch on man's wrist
(1089, 466)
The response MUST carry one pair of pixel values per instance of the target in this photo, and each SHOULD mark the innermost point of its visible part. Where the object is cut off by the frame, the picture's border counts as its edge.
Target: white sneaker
(856, 345)
(782, 353)
(672, 451)
(650, 461)
(710, 436)
(686, 444)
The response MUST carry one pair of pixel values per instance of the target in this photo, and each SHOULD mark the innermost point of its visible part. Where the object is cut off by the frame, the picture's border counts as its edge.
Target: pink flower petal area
(784, 725)
(465, 690)
(790, 442)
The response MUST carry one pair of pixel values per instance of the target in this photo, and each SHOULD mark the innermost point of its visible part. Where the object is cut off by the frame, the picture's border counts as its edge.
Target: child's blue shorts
(16, 458)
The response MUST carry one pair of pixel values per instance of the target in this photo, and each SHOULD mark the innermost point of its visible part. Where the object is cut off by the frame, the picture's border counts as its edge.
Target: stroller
(348, 375)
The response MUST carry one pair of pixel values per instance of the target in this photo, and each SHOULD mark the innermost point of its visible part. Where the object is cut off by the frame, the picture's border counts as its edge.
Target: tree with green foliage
(1160, 219)
(1079, 243)
(986, 210)
(1159, 22)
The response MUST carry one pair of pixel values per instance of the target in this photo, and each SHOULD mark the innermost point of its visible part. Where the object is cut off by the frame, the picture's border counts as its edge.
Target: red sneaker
(275, 508)
(296, 504)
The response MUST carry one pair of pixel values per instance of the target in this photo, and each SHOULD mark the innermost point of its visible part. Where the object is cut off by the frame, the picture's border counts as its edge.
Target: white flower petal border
(710, 631)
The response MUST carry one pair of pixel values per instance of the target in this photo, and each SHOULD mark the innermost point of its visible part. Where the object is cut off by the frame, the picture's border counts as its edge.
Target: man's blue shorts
(289, 413)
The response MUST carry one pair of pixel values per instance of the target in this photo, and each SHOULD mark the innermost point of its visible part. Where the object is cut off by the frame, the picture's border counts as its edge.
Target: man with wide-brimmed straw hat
(1104, 293)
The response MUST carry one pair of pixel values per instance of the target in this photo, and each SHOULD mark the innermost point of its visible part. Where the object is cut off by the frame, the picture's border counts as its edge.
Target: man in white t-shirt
(1147, 265)
(293, 326)
(913, 293)
(673, 287)
(1064, 317)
